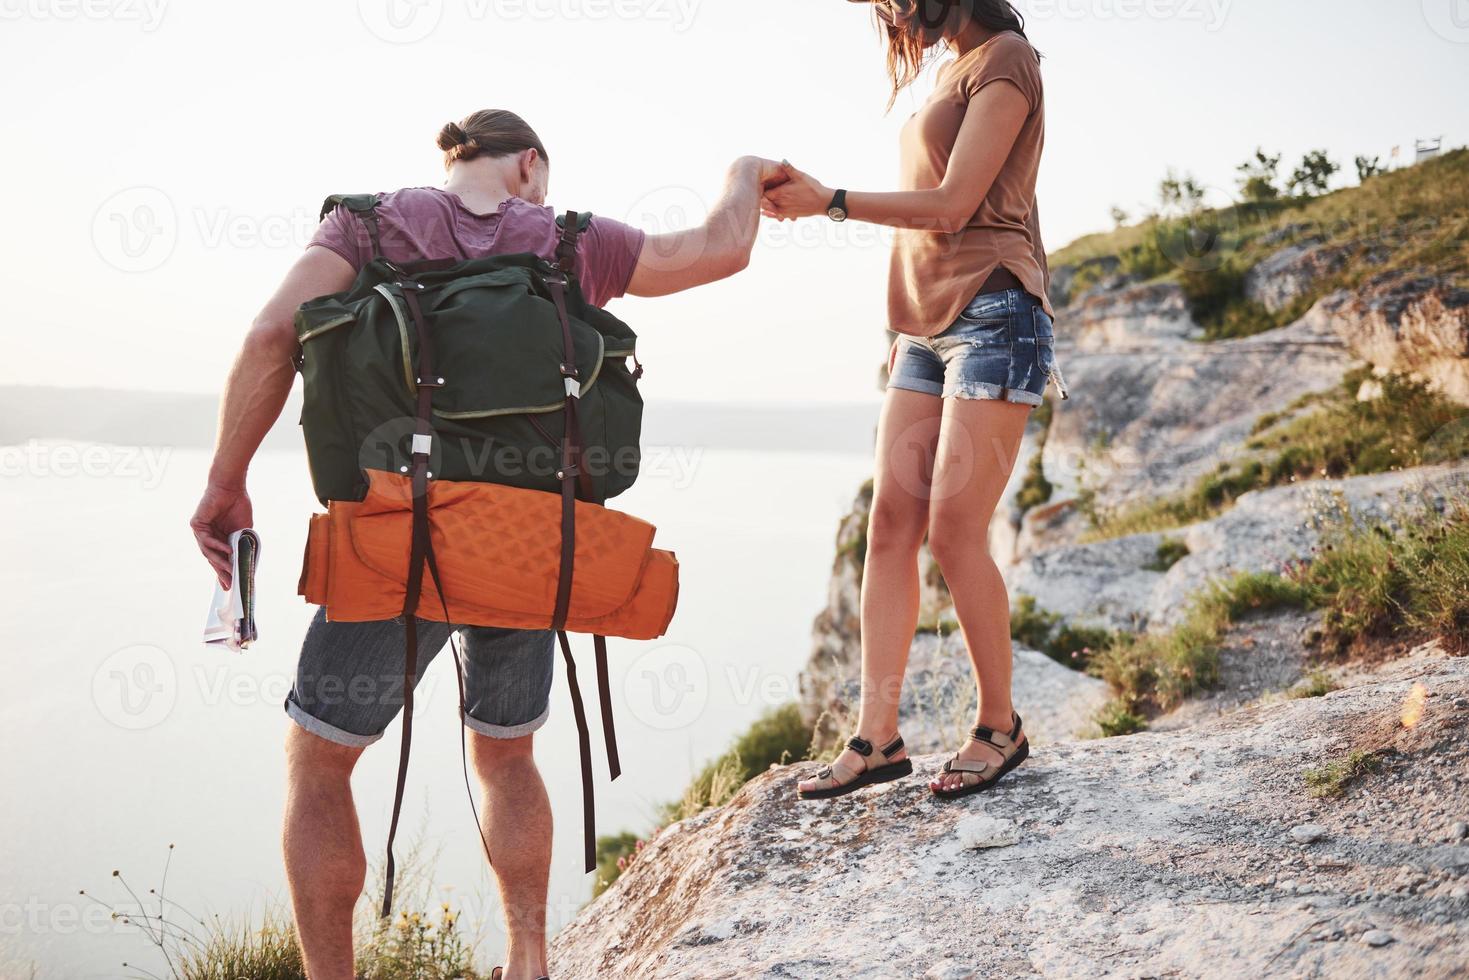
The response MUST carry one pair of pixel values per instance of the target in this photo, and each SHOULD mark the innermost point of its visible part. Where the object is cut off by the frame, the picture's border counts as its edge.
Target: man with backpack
(349, 683)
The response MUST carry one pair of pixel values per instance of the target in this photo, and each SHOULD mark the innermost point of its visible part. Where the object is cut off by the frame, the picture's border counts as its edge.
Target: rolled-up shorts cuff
(916, 384)
(982, 391)
(507, 731)
(331, 733)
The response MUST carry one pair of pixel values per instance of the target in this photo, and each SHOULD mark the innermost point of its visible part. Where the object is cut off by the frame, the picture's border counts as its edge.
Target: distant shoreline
(184, 420)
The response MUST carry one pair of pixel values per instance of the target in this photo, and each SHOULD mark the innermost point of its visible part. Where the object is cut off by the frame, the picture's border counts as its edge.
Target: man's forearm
(735, 218)
(257, 389)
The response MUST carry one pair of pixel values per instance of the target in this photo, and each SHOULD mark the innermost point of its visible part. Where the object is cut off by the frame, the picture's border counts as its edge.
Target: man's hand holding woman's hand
(796, 195)
(767, 173)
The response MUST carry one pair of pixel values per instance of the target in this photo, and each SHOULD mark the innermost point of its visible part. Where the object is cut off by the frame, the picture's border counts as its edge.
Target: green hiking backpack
(490, 370)
(498, 402)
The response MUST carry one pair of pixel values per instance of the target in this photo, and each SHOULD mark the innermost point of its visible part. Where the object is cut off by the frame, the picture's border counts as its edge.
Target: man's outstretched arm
(254, 395)
(718, 248)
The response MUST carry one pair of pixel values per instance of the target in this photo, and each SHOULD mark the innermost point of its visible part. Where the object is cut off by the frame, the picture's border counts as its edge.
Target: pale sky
(220, 127)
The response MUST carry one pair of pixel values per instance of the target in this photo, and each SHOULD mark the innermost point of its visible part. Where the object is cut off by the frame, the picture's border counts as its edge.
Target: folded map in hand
(231, 621)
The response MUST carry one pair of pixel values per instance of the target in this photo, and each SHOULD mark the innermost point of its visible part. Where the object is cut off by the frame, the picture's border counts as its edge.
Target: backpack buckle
(429, 382)
(569, 377)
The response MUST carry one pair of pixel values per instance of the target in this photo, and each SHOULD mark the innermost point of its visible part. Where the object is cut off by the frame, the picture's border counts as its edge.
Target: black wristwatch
(837, 209)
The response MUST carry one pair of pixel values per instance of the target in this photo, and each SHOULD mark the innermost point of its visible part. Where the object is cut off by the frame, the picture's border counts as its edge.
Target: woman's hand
(799, 197)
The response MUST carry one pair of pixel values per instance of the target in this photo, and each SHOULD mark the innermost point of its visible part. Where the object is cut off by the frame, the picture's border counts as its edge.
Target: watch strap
(838, 201)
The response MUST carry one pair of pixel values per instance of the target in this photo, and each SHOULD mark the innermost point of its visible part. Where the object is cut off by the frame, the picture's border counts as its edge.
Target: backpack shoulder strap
(364, 206)
(572, 224)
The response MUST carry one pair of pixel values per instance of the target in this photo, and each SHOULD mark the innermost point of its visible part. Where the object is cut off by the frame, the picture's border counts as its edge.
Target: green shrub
(418, 947)
(613, 851)
(1423, 212)
(1156, 671)
(1376, 582)
(1316, 684)
(1333, 778)
(228, 952)
(415, 946)
(1035, 489)
(1170, 552)
(1067, 644)
(1116, 719)
(1328, 434)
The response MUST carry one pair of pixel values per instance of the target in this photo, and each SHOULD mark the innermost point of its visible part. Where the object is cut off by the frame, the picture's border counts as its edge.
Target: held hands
(796, 195)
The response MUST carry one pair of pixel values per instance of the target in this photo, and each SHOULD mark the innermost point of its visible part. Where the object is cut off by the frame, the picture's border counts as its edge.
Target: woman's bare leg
(977, 446)
(907, 436)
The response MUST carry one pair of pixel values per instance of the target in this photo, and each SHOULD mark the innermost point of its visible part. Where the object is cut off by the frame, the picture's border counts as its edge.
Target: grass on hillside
(1371, 582)
(1415, 219)
(1067, 644)
(415, 946)
(1316, 684)
(1382, 582)
(1035, 489)
(1332, 779)
(1329, 434)
(1154, 672)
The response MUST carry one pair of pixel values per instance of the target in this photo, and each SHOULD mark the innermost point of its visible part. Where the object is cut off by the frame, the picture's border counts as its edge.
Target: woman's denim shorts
(1000, 349)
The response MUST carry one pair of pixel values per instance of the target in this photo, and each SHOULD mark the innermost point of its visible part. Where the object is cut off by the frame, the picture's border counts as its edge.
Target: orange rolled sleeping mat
(499, 555)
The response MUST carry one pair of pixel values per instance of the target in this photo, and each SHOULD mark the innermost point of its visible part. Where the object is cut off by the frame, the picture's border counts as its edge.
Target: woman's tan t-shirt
(934, 275)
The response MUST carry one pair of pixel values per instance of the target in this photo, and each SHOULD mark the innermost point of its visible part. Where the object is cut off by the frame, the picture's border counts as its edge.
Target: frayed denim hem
(981, 391)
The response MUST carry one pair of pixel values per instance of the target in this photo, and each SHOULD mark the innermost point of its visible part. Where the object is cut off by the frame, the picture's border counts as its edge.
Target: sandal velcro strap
(859, 745)
(976, 766)
(892, 748)
(991, 738)
(994, 739)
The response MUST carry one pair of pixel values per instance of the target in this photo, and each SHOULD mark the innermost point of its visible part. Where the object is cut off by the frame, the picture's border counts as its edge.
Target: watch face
(837, 214)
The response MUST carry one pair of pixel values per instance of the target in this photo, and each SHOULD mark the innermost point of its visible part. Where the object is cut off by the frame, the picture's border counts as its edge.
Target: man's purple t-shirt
(422, 223)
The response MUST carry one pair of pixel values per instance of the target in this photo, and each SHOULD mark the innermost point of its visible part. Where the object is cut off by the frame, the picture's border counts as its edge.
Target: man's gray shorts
(349, 680)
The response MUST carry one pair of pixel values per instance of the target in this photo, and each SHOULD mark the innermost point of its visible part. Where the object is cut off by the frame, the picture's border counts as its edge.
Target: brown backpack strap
(364, 206)
(604, 691)
(566, 247)
(419, 552)
(572, 478)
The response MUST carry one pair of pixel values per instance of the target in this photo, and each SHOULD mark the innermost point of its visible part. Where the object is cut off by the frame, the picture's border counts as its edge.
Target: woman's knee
(954, 533)
(896, 524)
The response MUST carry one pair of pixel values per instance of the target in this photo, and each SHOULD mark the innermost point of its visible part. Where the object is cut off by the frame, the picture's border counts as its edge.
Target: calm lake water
(124, 734)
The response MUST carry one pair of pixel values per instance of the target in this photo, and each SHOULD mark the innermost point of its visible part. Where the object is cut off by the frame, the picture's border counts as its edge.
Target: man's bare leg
(325, 865)
(516, 814)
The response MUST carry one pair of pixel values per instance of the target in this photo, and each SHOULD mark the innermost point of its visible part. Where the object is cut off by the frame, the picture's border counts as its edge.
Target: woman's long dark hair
(910, 42)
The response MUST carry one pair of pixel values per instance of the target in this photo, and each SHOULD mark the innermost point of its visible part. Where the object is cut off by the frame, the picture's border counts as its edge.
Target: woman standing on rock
(967, 296)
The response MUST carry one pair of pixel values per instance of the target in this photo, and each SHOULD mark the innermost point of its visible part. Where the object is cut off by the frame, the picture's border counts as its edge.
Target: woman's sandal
(868, 776)
(989, 774)
(498, 972)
